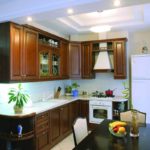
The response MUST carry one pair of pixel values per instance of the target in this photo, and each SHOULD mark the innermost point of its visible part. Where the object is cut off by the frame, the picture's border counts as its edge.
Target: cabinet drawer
(43, 126)
(42, 117)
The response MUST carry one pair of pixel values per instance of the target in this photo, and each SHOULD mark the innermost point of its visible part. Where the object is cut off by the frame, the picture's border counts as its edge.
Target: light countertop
(41, 106)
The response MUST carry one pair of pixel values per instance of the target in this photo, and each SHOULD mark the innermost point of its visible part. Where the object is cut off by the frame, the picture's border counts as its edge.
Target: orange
(122, 130)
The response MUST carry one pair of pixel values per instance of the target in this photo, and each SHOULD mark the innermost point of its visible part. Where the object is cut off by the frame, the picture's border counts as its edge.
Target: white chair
(127, 116)
(80, 130)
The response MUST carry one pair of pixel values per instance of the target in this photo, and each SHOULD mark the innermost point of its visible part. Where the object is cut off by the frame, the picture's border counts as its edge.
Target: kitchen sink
(50, 102)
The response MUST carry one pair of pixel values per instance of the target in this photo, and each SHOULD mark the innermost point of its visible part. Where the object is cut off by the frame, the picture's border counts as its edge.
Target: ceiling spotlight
(98, 29)
(117, 3)
(70, 11)
(29, 19)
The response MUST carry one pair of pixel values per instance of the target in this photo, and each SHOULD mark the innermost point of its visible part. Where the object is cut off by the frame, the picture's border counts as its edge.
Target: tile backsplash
(36, 90)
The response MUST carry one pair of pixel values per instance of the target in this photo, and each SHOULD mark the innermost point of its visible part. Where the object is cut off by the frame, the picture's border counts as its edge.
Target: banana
(117, 123)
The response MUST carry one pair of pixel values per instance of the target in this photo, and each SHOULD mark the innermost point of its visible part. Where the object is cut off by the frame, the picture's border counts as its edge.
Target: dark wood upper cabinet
(117, 55)
(30, 55)
(16, 35)
(64, 53)
(75, 60)
(44, 62)
(19, 49)
(119, 60)
(87, 62)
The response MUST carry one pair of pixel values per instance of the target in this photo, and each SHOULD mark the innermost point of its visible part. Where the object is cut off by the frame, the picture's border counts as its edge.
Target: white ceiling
(52, 14)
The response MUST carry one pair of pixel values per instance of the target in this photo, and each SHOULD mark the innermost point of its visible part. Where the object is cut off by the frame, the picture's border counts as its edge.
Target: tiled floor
(66, 144)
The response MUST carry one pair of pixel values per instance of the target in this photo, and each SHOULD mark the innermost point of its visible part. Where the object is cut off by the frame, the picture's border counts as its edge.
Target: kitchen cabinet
(65, 123)
(44, 62)
(30, 55)
(49, 56)
(119, 60)
(9, 136)
(75, 60)
(84, 109)
(16, 33)
(60, 125)
(64, 53)
(87, 60)
(19, 51)
(55, 72)
(55, 125)
(74, 112)
(117, 55)
(42, 131)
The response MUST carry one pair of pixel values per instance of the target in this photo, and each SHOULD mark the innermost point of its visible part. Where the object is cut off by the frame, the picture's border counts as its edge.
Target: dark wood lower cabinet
(84, 109)
(41, 131)
(74, 111)
(42, 141)
(55, 125)
(10, 139)
(59, 123)
(65, 124)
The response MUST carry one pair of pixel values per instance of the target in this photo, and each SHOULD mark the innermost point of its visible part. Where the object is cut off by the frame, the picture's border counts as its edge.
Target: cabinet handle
(24, 75)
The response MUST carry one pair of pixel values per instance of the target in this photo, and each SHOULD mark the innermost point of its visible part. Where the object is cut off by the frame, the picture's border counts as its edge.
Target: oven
(99, 110)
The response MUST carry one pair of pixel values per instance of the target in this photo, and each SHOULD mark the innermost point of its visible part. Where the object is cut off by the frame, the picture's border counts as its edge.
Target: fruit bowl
(117, 134)
(117, 128)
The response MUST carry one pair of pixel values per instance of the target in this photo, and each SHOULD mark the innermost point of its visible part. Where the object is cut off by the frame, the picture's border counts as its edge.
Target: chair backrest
(80, 130)
(127, 116)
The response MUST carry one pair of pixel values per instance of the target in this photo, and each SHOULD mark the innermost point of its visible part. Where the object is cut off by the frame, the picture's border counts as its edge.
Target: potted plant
(126, 94)
(74, 89)
(18, 97)
(68, 90)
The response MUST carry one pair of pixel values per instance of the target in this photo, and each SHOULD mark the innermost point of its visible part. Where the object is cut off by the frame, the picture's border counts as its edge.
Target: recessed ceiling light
(70, 11)
(117, 3)
(29, 19)
(98, 29)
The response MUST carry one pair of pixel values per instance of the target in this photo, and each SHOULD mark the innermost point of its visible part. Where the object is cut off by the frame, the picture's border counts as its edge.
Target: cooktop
(101, 95)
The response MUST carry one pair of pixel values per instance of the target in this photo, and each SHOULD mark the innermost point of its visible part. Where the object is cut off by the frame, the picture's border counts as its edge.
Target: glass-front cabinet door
(55, 65)
(44, 64)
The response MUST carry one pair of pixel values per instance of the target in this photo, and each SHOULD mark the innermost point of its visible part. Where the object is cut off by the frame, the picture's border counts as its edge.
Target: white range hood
(103, 61)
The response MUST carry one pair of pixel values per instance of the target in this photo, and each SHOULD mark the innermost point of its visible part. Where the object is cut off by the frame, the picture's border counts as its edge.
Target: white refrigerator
(140, 78)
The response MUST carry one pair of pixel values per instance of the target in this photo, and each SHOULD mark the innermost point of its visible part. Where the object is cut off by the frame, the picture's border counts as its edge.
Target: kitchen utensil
(57, 94)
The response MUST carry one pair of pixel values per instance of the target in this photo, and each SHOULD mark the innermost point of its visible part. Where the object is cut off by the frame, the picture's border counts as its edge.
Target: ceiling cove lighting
(99, 29)
(70, 11)
(29, 19)
(117, 3)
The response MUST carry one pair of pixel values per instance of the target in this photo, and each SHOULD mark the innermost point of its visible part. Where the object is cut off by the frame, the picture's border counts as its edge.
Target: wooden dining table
(101, 139)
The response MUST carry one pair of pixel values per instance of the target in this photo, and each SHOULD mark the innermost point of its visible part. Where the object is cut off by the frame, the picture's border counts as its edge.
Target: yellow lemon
(122, 130)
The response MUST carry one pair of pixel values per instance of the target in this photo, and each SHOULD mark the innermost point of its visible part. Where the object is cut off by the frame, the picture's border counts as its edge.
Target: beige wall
(138, 40)
(95, 36)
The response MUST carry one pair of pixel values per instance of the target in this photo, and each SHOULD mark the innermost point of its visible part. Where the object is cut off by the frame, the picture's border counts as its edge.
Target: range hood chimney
(103, 61)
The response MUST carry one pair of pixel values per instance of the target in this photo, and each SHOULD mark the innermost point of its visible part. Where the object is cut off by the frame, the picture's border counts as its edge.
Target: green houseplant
(68, 90)
(18, 97)
(74, 89)
(126, 94)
